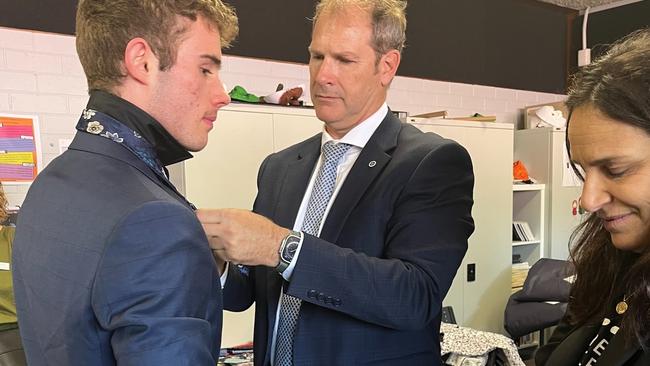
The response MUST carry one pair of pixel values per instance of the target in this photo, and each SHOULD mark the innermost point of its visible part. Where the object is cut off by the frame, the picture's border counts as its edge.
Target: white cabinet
(480, 303)
(224, 174)
(230, 160)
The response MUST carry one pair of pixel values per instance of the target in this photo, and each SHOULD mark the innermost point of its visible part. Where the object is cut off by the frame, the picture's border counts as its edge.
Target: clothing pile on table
(462, 346)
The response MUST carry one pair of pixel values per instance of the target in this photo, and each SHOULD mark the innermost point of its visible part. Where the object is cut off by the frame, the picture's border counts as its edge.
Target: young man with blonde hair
(111, 266)
(370, 218)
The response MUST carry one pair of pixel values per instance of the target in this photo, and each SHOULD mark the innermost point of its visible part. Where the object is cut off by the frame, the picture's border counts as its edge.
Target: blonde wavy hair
(104, 28)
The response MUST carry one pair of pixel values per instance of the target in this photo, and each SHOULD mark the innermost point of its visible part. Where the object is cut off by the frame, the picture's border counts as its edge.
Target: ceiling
(580, 4)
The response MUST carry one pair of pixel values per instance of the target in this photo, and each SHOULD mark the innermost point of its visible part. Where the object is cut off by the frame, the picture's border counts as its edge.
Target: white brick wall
(16, 39)
(4, 102)
(32, 61)
(18, 80)
(45, 103)
(41, 74)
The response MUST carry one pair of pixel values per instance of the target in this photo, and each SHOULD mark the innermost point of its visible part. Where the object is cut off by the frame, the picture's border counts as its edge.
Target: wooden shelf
(529, 242)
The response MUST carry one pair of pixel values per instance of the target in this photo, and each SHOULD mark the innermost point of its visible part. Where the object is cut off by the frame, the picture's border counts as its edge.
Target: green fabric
(240, 94)
(7, 302)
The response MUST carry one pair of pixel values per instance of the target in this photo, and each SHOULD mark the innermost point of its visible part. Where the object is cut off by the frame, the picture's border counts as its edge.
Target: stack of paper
(521, 231)
(519, 273)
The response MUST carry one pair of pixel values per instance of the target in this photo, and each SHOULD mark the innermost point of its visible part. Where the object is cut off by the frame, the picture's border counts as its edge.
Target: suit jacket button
(337, 302)
(311, 293)
(321, 296)
(329, 300)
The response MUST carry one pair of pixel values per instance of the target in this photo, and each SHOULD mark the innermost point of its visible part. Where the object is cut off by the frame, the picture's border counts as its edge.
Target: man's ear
(388, 64)
(140, 62)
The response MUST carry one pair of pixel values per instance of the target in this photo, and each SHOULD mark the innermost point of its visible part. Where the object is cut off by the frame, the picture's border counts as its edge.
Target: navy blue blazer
(372, 284)
(111, 266)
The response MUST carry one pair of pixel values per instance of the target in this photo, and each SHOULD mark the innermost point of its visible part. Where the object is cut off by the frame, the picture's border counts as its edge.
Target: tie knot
(333, 152)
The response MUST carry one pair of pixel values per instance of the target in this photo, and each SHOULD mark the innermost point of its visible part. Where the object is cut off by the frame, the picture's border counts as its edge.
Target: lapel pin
(94, 127)
(372, 163)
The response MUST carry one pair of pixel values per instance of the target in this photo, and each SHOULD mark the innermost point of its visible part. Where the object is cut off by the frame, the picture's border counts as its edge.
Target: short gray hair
(388, 21)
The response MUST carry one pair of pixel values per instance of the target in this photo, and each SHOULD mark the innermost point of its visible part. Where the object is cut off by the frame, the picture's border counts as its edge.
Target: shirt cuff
(224, 276)
(289, 271)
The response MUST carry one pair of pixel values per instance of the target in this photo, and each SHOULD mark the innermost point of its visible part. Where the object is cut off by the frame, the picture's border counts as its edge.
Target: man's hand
(242, 237)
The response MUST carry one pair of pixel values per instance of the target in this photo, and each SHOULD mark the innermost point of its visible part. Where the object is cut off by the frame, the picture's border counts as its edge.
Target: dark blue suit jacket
(111, 266)
(373, 283)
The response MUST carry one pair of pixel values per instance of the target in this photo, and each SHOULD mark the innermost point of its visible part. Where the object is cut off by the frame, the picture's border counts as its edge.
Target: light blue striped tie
(320, 197)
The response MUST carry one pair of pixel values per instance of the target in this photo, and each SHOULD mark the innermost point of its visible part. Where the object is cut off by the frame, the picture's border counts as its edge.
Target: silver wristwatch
(288, 249)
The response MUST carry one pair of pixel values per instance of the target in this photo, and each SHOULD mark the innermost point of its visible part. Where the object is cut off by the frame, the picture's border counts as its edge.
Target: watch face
(290, 251)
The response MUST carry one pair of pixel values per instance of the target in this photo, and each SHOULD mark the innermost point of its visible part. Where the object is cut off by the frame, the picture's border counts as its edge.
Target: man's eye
(615, 173)
(206, 71)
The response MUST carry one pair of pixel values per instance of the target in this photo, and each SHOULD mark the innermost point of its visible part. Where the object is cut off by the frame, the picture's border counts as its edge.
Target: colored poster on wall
(20, 148)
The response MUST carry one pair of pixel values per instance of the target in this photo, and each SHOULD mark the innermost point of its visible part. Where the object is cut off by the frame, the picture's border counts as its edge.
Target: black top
(609, 327)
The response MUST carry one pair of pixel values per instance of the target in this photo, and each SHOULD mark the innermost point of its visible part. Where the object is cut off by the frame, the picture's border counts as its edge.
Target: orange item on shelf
(519, 171)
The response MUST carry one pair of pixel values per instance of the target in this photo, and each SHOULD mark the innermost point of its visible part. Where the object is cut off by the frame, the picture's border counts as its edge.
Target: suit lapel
(370, 163)
(297, 174)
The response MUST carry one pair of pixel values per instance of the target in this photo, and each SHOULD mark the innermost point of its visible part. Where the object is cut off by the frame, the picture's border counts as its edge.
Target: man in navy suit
(110, 264)
(363, 286)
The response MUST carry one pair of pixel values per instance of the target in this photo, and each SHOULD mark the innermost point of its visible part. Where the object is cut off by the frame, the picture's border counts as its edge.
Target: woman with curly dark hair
(7, 304)
(11, 350)
(608, 137)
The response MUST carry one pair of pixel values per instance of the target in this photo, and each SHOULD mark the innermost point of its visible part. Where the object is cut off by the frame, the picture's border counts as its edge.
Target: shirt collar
(168, 150)
(361, 133)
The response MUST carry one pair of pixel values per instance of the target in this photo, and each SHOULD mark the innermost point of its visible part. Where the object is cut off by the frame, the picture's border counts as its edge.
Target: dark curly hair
(3, 205)
(618, 85)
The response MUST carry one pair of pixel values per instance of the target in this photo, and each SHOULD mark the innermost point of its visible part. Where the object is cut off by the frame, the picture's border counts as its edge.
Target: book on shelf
(518, 280)
(521, 231)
